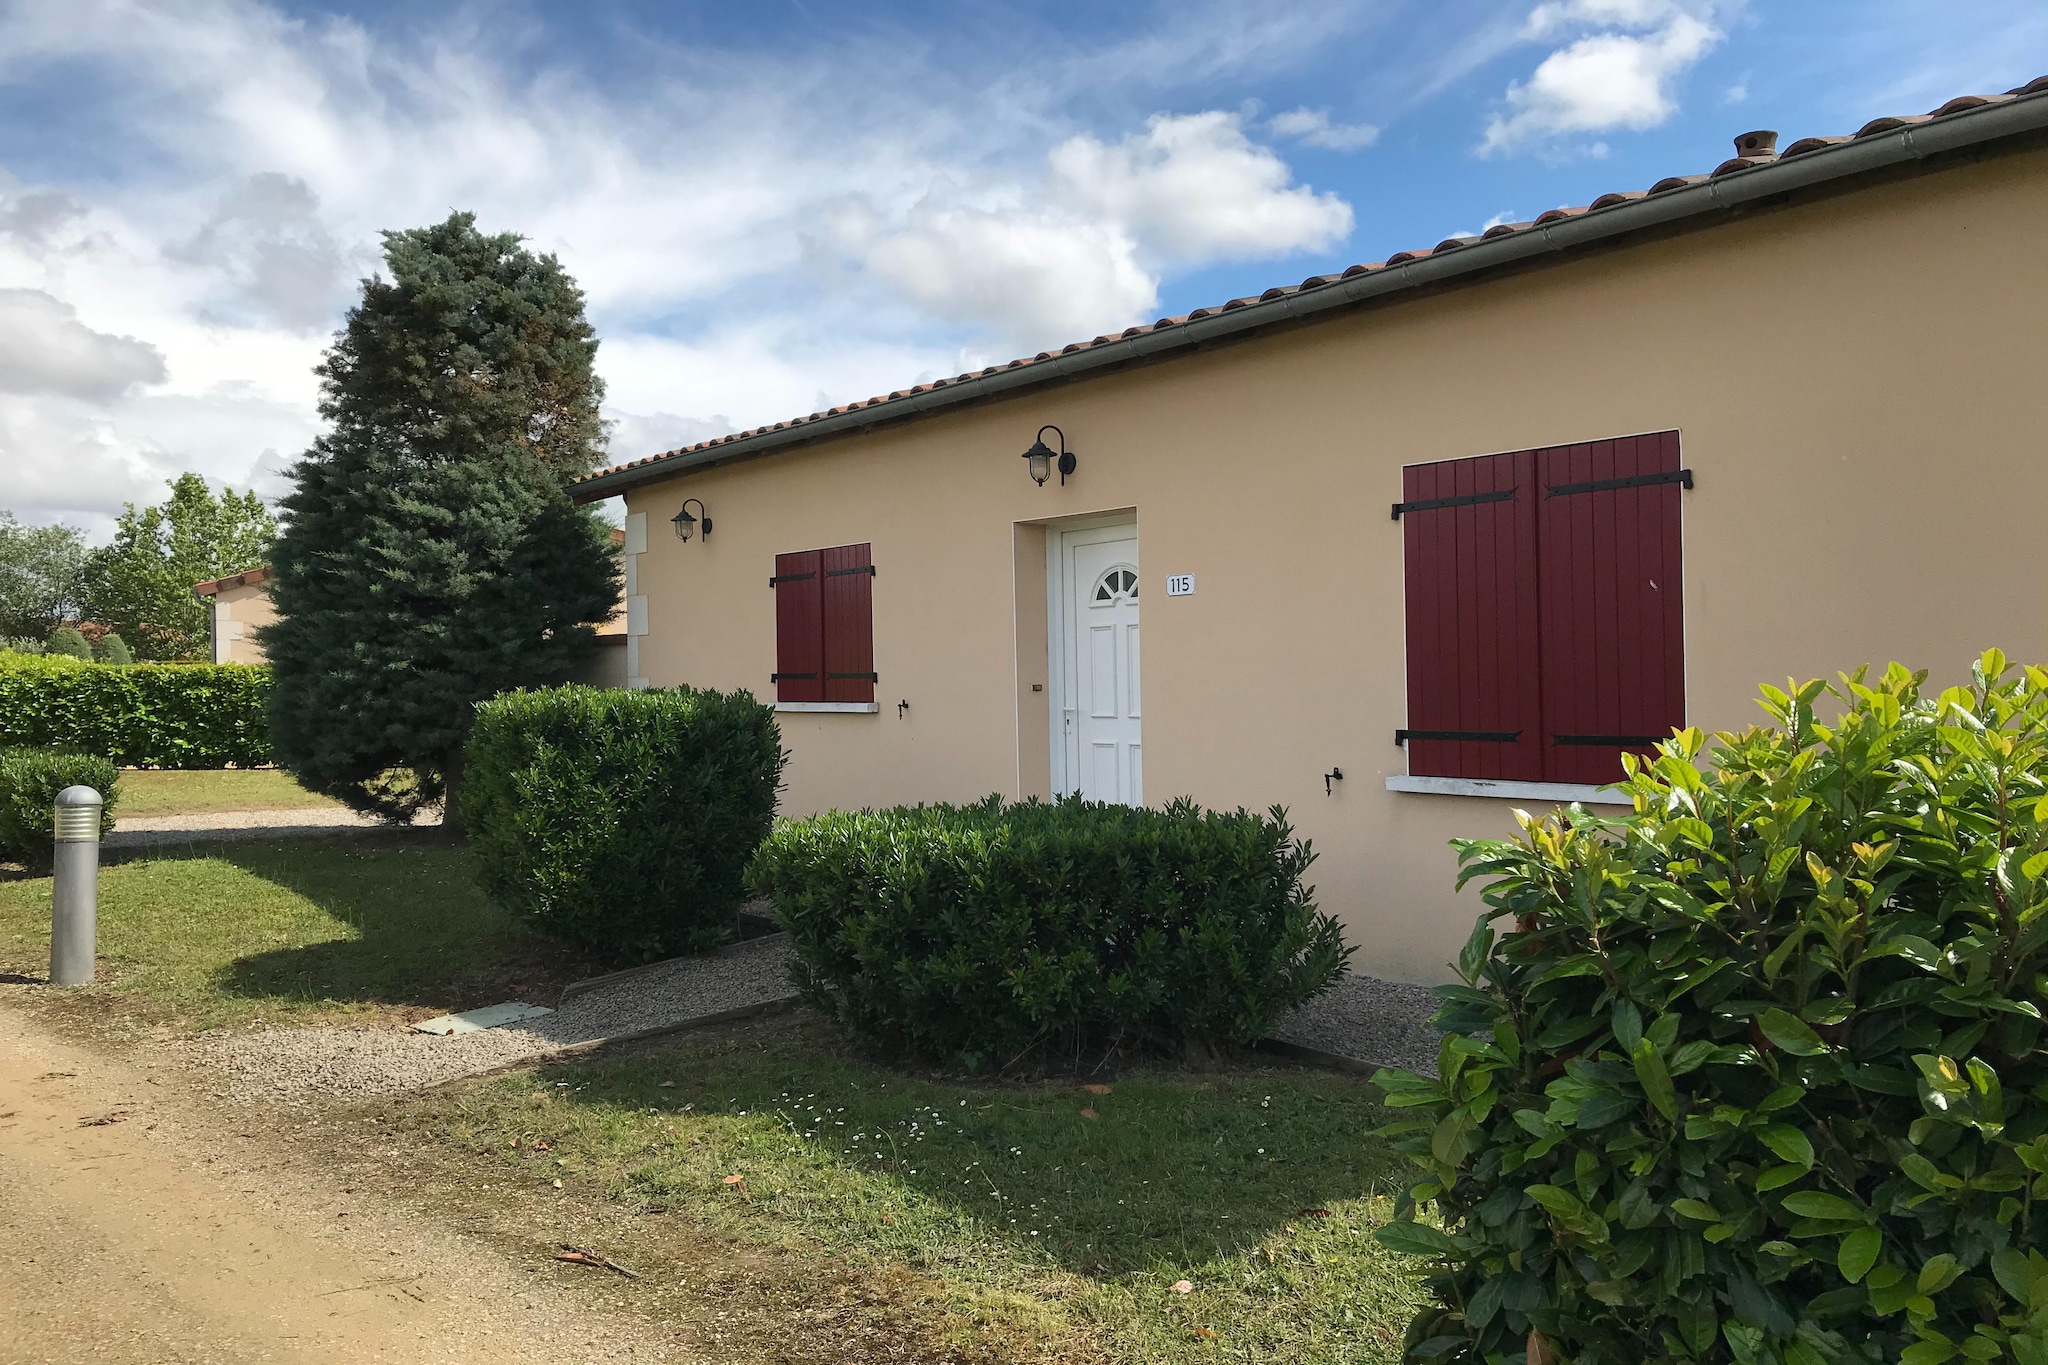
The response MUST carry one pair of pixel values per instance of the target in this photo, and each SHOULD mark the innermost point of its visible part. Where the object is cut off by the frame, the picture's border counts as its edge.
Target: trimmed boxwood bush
(622, 820)
(138, 715)
(982, 934)
(29, 782)
(1755, 1074)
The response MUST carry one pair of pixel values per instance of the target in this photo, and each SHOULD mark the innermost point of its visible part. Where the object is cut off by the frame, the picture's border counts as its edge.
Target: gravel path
(1362, 1019)
(150, 831)
(289, 1064)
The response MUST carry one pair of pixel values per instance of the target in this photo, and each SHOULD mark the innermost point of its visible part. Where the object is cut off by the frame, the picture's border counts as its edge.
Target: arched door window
(1119, 583)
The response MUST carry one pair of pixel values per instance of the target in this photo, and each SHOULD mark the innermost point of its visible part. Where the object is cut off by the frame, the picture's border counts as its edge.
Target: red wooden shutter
(799, 628)
(1613, 617)
(849, 625)
(1472, 618)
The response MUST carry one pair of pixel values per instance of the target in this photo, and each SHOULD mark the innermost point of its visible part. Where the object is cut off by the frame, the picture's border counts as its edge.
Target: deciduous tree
(141, 585)
(40, 569)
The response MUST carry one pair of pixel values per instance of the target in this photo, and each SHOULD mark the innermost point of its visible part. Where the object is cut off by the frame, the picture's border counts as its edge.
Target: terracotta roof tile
(251, 577)
(1756, 142)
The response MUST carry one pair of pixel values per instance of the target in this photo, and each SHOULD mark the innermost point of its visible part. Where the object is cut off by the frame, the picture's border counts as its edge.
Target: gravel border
(156, 831)
(298, 1064)
(1358, 1025)
(1363, 1023)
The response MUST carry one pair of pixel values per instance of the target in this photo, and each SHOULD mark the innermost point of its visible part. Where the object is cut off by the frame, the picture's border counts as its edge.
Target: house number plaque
(1180, 585)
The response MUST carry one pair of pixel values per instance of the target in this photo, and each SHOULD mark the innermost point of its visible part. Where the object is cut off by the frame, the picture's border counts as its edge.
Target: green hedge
(623, 820)
(29, 782)
(138, 715)
(1755, 1075)
(981, 934)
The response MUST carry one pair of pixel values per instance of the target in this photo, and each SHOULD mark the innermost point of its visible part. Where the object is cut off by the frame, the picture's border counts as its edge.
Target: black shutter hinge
(857, 677)
(1431, 504)
(1460, 736)
(1602, 741)
(789, 578)
(1678, 476)
(778, 677)
(868, 569)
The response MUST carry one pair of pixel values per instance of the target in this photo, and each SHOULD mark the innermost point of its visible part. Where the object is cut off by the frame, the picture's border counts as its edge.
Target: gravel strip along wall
(1377, 1023)
(287, 1064)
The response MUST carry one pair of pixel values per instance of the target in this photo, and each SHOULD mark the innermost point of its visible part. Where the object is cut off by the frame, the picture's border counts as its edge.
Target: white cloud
(1313, 128)
(1196, 189)
(750, 229)
(278, 261)
(45, 349)
(1080, 251)
(1039, 278)
(1620, 76)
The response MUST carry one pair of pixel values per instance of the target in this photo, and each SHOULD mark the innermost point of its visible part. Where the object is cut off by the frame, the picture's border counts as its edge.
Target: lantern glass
(684, 523)
(1040, 459)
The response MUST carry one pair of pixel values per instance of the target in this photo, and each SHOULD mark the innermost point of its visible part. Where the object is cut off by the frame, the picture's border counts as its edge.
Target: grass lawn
(880, 1215)
(1047, 1213)
(149, 791)
(295, 931)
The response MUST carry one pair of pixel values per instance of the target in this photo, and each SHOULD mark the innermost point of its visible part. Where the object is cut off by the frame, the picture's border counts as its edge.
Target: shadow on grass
(421, 933)
(1166, 1168)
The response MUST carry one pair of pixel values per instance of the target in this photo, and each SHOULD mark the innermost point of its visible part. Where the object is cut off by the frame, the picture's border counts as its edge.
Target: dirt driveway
(133, 1229)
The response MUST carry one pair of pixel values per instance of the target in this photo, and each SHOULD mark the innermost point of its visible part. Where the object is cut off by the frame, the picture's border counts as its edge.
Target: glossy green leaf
(1789, 1033)
(1414, 1239)
(1655, 1080)
(1788, 1142)
(1859, 1252)
(1817, 1204)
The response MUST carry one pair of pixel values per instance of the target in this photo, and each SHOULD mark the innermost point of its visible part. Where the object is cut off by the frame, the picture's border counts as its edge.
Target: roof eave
(1863, 156)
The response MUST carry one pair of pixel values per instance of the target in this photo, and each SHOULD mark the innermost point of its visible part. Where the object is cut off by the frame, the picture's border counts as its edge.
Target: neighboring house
(241, 603)
(1417, 543)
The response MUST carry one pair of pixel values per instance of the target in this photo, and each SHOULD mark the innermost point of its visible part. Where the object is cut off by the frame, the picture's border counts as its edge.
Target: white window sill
(1516, 791)
(842, 708)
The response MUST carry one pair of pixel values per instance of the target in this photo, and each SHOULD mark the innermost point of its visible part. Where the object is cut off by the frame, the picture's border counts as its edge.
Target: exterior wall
(1855, 384)
(607, 667)
(237, 613)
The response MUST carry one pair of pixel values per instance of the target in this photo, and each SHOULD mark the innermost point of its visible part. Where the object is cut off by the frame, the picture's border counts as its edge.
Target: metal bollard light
(75, 894)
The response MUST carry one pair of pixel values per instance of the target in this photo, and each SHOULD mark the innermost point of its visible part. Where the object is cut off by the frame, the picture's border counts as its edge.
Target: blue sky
(787, 205)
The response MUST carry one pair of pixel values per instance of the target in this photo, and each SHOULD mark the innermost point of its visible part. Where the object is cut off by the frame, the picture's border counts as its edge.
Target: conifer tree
(431, 556)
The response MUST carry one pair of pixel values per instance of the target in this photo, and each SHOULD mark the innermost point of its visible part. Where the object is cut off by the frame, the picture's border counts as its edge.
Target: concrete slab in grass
(490, 1016)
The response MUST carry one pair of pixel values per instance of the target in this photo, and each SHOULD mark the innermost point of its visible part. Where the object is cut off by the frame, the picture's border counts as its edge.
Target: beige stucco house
(241, 606)
(1418, 543)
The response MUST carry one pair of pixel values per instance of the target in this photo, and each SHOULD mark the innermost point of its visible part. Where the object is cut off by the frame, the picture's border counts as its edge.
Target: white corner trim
(636, 615)
(636, 533)
(844, 708)
(1517, 791)
(637, 684)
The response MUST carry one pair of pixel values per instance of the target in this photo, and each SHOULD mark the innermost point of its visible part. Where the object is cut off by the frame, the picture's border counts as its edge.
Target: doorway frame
(1058, 636)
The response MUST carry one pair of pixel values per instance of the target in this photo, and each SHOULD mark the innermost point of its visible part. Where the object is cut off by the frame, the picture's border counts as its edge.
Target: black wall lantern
(685, 524)
(1041, 456)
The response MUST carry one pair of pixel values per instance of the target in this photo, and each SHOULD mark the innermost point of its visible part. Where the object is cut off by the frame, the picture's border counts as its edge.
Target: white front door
(1096, 722)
